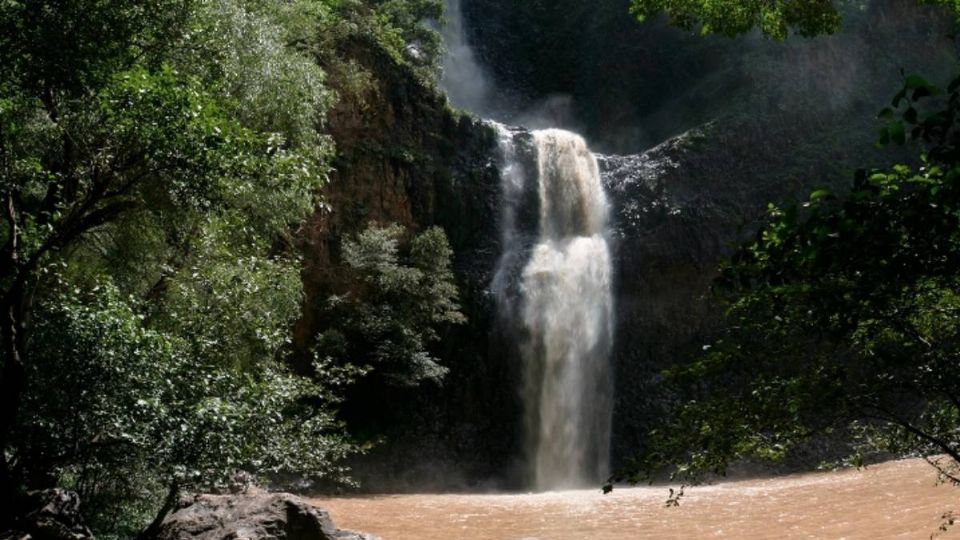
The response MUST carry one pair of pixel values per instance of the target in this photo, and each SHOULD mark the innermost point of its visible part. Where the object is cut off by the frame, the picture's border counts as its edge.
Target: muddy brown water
(899, 499)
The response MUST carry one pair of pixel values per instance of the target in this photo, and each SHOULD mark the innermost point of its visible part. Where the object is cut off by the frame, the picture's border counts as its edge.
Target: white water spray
(565, 309)
(463, 78)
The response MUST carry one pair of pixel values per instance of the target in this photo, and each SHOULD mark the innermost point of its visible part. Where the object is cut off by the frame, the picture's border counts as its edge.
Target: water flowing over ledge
(555, 285)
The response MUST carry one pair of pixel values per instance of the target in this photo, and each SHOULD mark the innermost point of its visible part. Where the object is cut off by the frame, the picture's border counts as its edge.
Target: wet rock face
(50, 514)
(672, 224)
(275, 516)
(678, 210)
(670, 208)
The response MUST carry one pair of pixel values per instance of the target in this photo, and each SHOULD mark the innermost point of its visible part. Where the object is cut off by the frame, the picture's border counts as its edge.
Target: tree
(141, 415)
(143, 164)
(775, 19)
(843, 315)
(404, 29)
(730, 17)
(393, 307)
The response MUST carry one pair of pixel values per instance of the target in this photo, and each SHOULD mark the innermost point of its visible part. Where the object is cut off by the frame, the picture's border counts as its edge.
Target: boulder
(50, 514)
(255, 516)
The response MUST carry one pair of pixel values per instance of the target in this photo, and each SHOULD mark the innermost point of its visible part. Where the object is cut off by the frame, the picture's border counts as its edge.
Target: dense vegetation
(735, 17)
(156, 160)
(842, 314)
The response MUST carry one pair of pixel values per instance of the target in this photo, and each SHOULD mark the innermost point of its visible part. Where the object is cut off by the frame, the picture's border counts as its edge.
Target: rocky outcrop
(259, 516)
(50, 514)
(404, 156)
(678, 210)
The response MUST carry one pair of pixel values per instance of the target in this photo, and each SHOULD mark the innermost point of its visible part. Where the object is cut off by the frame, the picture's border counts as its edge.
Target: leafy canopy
(140, 410)
(773, 18)
(155, 159)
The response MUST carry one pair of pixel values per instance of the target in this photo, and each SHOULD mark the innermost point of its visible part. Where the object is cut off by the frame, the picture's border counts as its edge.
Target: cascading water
(553, 283)
(564, 308)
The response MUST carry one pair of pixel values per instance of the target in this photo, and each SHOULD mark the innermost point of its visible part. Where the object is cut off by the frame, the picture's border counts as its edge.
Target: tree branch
(905, 424)
(13, 231)
(936, 465)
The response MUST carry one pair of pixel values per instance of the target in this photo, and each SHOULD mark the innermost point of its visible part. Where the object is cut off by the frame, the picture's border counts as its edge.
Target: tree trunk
(12, 380)
(169, 503)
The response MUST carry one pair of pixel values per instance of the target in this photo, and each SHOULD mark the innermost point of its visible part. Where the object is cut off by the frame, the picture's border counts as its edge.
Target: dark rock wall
(404, 156)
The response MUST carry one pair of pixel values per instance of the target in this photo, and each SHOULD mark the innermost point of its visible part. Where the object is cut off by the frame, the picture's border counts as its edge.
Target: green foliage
(154, 162)
(232, 307)
(55, 48)
(258, 56)
(733, 17)
(843, 312)
(394, 305)
(401, 28)
(137, 407)
(775, 19)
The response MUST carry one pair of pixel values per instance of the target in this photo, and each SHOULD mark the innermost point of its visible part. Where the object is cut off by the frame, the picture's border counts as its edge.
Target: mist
(463, 78)
(628, 86)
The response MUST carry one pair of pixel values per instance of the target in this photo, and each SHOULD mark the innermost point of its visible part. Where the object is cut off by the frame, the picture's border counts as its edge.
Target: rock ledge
(258, 516)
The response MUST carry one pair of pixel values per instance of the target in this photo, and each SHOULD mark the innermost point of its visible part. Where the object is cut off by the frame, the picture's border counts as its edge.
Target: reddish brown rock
(261, 516)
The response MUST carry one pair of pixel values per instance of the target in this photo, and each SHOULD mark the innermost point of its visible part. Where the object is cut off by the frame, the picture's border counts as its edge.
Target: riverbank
(899, 499)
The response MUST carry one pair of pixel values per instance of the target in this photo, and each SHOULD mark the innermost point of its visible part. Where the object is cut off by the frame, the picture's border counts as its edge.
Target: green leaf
(915, 81)
(820, 194)
(884, 139)
(897, 132)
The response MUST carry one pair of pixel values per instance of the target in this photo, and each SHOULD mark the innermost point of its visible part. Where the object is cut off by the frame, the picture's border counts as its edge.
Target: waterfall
(552, 282)
(564, 307)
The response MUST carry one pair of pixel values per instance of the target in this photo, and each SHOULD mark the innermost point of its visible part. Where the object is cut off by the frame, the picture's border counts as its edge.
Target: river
(899, 499)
